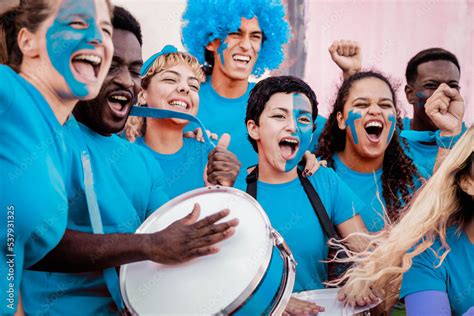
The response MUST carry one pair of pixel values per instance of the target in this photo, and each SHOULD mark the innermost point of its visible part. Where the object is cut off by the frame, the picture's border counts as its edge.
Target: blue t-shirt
(129, 186)
(223, 115)
(183, 170)
(34, 167)
(454, 277)
(291, 214)
(423, 153)
(368, 187)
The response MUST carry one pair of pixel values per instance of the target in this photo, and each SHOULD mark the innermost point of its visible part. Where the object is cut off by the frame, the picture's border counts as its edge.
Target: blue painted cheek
(422, 97)
(305, 133)
(62, 41)
(350, 121)
(393, 119)
(221, 50)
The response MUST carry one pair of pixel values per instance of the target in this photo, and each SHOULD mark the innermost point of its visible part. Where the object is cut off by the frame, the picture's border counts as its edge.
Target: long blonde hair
(436, 207)
(136, 126)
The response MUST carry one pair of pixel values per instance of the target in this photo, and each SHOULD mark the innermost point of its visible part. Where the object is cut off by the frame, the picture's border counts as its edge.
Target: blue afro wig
(207, 20)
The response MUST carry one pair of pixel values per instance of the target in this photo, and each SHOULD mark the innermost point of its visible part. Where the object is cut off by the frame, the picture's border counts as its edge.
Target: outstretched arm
(183, 240)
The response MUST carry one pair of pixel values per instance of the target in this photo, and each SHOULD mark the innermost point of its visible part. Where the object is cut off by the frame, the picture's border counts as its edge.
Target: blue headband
(168, 49)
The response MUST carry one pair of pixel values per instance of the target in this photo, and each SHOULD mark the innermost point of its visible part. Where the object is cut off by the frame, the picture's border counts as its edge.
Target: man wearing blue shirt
(233, 39)
(128, 182)
(425, 72)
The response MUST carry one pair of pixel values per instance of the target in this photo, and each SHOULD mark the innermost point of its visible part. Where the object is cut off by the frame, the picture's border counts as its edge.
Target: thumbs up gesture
(222, 166)
(347, 55)
(445, 108)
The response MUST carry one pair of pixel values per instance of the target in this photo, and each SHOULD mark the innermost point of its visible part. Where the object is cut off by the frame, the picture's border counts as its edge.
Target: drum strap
(110, 274)
(313, 196)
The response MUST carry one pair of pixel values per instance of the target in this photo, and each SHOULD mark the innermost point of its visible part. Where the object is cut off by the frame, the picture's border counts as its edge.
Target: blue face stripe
(350, 121)
(393, 119)
(422, 97)
(62, 40)
(304, 132)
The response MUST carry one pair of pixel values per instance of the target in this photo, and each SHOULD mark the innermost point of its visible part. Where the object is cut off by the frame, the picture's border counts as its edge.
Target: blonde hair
(136, 126)
(435, 207)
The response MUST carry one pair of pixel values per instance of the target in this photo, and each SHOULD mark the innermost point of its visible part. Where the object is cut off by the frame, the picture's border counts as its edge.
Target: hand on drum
(222, 165)
(300, 307)
(187, 238)
(357, 297)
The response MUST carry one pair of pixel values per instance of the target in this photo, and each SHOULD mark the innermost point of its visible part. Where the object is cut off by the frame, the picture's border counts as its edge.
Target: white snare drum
(248, 276)
(327, 298)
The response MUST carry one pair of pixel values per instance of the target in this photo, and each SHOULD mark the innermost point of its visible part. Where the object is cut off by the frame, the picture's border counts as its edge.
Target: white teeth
(95, 60)
(241, 58)
(119, 98)
(288, 140)
(179, 104)
(373, 124)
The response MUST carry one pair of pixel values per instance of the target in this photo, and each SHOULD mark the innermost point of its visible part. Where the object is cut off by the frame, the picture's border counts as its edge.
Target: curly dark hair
(399, 171)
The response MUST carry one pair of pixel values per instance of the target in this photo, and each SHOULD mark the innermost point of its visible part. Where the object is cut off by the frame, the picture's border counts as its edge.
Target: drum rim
(248, 291)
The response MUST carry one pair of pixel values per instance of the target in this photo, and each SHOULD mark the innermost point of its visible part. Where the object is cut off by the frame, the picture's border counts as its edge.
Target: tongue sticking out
(85, 70)
(286, 151)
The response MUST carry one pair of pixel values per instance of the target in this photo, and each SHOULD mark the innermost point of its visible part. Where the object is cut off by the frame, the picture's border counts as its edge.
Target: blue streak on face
(350, 121)
(393, 119)
(222, 47)
(422, 97)
(62, 40)
(304, 128)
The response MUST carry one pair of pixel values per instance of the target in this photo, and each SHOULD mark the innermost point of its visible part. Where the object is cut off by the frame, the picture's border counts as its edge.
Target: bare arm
(183, 240)
(354, 225)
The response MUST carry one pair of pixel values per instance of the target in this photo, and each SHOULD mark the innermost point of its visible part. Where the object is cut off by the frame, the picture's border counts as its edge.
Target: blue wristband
(448, 142)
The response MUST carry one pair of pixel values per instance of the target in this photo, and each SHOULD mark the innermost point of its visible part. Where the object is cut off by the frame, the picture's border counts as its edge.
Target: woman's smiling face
(369, 117)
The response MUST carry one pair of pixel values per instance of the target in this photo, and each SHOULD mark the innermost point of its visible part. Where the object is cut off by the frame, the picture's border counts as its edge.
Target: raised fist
(445, 108)
(347, 55)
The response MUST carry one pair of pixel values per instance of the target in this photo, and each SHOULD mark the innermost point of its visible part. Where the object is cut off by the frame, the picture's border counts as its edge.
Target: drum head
(213, 284)
(327, 298)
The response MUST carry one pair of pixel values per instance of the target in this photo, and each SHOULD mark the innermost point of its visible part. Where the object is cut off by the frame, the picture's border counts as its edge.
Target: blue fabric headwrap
(168, 49)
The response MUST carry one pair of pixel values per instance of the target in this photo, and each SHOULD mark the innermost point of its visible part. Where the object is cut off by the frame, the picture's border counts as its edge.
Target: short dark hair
(263, 90)
(124, 20)
(427, 55)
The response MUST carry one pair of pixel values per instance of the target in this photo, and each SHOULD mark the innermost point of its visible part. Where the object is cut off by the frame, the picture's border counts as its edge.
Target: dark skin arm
(183, 240)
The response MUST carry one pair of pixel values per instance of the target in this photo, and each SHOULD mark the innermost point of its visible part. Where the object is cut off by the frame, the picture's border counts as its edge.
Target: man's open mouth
(241, 59)
(87, 66)
(373, 130)
(288, 147)
(120, 102)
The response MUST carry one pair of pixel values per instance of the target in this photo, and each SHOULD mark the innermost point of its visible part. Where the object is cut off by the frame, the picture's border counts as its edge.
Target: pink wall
(390, 33)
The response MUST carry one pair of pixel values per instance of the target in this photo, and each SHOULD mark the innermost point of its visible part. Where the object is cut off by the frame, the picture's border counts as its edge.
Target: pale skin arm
(347, 55)
(445, 108)
(353, 225)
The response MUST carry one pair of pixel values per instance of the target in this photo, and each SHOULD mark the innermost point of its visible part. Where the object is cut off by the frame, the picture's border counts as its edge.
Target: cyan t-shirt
(183, 170)
(291, 214)
(129, 186)
(223, 115)
(455, 276)
(423, 153)
(34, 165)
(368, 187)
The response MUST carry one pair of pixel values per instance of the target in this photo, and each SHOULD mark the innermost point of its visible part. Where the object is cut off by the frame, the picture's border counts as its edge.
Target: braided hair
(398, 169)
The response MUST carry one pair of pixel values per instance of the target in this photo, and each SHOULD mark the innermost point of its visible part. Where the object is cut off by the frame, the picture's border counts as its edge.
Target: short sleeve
(338, 199)
(423, 275)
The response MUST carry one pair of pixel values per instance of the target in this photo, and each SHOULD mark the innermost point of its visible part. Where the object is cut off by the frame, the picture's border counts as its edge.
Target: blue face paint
(62, 40)
(304, 128)
(422, 97)
(350, 121)
(220, 50)
(393, 119)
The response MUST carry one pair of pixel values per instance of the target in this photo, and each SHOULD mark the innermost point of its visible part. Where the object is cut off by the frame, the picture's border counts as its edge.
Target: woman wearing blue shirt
(62, 55)
(430, 252)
